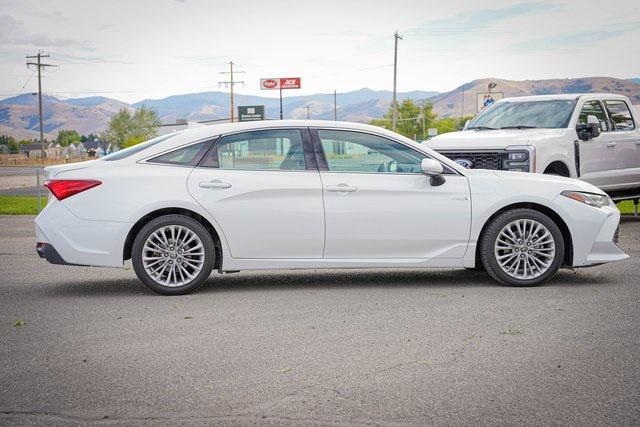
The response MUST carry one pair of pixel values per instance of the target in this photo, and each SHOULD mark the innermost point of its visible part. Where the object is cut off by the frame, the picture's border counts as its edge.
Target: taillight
(63, 188)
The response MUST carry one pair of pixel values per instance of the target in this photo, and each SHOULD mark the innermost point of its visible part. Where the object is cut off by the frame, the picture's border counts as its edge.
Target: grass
(626, 207)
(20, 205)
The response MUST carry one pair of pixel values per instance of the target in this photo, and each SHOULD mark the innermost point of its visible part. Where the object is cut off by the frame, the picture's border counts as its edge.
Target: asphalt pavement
(447, 347)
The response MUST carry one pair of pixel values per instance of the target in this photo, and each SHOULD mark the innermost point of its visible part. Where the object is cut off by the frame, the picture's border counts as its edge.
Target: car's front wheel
(522, 247)
(173, 254)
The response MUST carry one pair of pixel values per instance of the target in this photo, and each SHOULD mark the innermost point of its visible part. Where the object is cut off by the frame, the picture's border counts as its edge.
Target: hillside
(360, 105)
(450, 103)
(19, 115)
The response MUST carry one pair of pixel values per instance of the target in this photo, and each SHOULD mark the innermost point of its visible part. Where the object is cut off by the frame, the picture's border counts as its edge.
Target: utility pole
(335, 105)
(462, 108)
(308, 112)
(40, 66)
(230, 83)
(396, 37)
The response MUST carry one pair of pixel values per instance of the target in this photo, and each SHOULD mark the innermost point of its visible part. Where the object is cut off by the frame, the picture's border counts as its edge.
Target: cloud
(577, 38)
(476, 20)
(13, 32)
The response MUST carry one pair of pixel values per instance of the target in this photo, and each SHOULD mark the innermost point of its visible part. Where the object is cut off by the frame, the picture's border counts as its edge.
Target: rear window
(187, 156)
(123, 154)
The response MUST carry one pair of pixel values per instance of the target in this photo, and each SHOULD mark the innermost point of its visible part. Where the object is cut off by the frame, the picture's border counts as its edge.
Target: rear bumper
(48, 252)
(63, 238)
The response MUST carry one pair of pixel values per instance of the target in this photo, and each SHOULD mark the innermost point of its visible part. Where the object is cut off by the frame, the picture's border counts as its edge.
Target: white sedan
(310, 195)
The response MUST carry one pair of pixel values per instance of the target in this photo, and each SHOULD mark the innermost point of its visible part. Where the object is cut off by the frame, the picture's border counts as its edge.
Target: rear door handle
(611, 144)
(341, 188)
(215, 184)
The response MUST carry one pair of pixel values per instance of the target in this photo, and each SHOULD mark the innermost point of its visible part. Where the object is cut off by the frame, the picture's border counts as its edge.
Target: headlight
(519, 158)
(591, 199)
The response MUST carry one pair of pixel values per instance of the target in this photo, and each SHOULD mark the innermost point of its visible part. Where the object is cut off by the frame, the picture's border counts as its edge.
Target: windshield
(525, 115)
(117, 155)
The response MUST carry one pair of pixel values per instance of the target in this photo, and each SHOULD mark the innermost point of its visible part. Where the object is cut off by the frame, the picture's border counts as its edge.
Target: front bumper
(593, 232)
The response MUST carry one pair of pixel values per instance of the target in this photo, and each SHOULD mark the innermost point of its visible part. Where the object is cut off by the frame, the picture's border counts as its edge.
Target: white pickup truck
(594, 137)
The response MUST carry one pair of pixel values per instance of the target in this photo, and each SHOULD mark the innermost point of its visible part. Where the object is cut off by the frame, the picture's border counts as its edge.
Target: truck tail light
(63, 188)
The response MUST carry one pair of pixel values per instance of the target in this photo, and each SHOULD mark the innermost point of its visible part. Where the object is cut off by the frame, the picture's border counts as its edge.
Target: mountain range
(19, 114)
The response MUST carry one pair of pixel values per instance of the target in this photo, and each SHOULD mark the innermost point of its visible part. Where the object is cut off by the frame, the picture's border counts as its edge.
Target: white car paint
(610, 161)
(303, 219)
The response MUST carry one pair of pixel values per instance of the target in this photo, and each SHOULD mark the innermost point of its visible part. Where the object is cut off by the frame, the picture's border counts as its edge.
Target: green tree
(66, 137)
(413, 119)
(6, 140)
(10, 143)
(13, 146)
(90, 137)
(126, 129)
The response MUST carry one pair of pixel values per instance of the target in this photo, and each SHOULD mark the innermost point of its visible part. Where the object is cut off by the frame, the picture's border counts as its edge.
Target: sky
(140, 49)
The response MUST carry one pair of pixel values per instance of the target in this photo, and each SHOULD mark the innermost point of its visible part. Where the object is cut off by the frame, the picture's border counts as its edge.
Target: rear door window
(277, 149)
(620, 115)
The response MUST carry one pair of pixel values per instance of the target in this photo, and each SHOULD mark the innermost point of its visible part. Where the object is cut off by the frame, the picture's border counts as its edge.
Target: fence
(24, 181)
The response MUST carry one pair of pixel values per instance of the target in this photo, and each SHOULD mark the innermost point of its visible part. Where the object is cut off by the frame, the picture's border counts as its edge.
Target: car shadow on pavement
(315, 279)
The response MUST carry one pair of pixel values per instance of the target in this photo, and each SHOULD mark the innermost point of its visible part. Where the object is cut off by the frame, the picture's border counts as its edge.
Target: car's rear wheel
(173, 254)
(522, 247)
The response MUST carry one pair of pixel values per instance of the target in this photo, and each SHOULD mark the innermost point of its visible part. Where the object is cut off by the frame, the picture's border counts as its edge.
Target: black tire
(488, 256)
(179, 220)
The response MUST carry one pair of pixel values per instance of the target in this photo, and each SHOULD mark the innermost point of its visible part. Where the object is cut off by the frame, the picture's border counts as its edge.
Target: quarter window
(594, 108)
(187, 156)
(278, 149)
(621, 117)
(359, 152)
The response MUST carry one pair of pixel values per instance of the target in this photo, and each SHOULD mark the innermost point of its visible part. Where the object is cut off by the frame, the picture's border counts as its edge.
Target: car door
(379, 205)
(597, 155)
(626, 137)
(264, 189)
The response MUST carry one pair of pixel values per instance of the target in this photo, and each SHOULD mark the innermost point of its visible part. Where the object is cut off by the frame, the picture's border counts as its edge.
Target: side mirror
(466, 124)
(595, 125)
(589, 130)
(433, 169)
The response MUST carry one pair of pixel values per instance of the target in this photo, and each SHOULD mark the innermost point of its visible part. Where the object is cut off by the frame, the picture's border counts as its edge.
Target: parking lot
(82, 345)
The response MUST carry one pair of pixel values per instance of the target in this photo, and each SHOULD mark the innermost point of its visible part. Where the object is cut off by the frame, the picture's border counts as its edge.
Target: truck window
(620, 115)
(594, 108)
(554, 113)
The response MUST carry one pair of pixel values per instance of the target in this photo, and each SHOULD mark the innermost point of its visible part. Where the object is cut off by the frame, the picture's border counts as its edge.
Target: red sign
(281, 83)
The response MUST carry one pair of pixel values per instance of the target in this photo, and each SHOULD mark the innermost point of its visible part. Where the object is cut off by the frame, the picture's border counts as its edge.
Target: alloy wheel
(173, 255)
(525, 249)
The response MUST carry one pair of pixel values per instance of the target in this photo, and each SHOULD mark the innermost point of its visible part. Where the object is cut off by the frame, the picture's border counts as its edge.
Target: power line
(230, 83)
(40, 66)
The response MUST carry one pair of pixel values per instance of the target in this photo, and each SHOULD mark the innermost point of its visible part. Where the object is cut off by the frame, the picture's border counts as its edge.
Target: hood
(535, 179)
(490, 139)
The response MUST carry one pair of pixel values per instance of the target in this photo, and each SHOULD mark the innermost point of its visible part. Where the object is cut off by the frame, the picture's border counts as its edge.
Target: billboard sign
(280, 83)
(487, 99)
(250, 113)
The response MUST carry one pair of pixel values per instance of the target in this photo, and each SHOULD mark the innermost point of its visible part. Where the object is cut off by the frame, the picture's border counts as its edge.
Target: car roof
(226, 128)
(563, 96)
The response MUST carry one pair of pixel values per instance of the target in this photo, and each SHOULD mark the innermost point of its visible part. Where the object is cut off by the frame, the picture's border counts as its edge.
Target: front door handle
(341, 188)
(638, 142)
(215, 184)
(611, 144)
